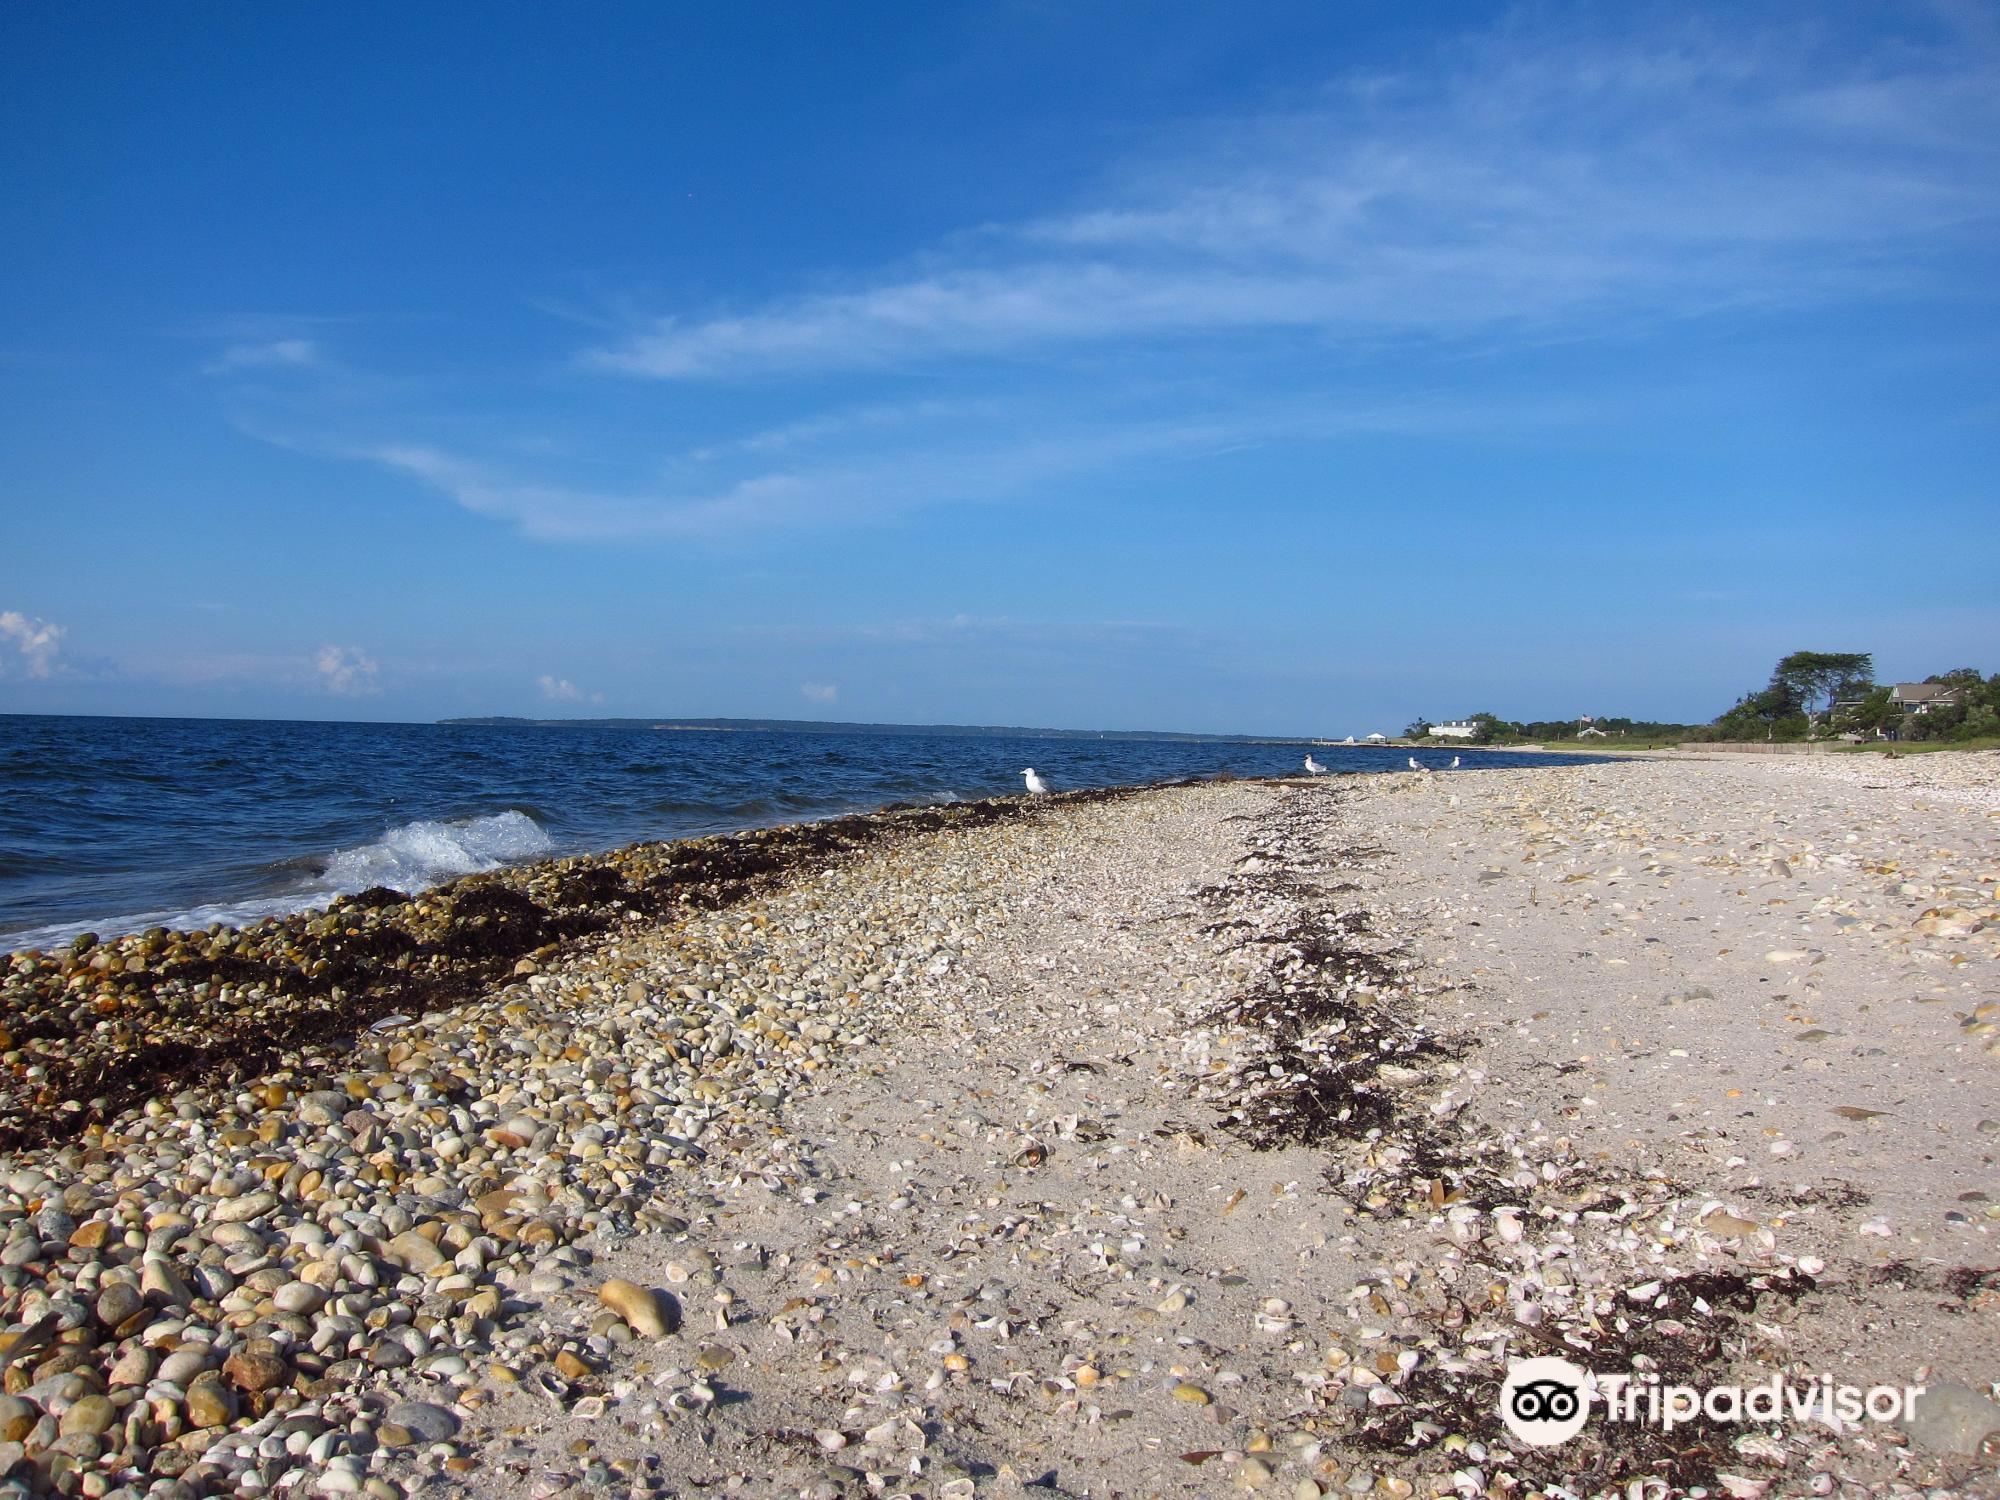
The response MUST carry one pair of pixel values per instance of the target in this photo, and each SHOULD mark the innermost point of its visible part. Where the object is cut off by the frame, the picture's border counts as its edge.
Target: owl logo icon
(1545, 1401)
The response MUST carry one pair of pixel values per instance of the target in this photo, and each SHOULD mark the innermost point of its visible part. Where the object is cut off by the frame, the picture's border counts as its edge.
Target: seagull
(1413, 764)
(1454, 762)
(1314, 768)
(1036, 786)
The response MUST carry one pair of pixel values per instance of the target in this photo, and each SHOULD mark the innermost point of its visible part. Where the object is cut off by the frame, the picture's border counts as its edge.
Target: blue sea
(115, 825)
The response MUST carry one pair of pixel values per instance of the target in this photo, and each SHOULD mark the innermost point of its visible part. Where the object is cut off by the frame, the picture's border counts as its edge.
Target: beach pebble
(430, 1422)
(639, 1306)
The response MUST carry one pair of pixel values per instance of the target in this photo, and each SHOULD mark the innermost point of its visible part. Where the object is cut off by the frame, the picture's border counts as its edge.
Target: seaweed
(220, 1008)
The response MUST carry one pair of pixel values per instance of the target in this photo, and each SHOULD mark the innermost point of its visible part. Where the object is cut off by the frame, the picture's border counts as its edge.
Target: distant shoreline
(905, 731)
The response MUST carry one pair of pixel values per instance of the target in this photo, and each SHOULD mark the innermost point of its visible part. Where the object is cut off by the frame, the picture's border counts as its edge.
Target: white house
(1454, 729)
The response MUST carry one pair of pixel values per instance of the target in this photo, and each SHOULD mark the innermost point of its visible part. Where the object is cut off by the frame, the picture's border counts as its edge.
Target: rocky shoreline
(1159, 1142)
(103, 1024)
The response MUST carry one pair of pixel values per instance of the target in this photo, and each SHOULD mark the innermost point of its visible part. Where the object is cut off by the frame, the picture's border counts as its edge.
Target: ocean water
(114, 825)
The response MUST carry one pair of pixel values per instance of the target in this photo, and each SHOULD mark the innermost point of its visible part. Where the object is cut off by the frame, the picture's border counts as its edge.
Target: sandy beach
(1217, 1138)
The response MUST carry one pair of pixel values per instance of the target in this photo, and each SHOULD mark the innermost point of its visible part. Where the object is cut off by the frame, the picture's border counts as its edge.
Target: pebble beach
(1214, 1138)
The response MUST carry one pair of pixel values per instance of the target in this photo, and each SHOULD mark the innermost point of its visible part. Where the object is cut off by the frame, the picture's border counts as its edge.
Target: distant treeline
(1491, 729)
(819, 726)
(1810, 694)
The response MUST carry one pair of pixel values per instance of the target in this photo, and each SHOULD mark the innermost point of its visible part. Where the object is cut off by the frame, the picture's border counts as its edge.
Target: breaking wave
(410, 857)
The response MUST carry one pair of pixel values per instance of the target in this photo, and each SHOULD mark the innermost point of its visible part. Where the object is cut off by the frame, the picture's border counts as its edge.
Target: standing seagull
(1036, 786)
(1413, 764)
(1454, 762)
(1314, 768)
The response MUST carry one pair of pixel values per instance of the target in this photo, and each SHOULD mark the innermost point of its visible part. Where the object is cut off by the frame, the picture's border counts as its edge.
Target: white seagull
(1454, 762)
(1314, 768)
(1413, 764)
(1036, 786)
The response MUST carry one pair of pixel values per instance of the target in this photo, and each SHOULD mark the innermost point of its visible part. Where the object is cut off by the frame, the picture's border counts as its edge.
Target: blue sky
(1287, 368)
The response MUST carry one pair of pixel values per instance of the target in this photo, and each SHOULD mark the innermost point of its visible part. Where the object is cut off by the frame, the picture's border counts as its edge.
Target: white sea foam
(421, 854)
(410, 857)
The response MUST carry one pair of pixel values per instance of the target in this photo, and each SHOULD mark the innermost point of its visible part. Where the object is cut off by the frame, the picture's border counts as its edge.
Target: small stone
(209, 1403)
(415, 1253)
(133, 1367)
(1724, 1222)
(254, 1370)
(713, 1357)
(639, 1306)
(92, 1415)
(1194, 1395)
(118, 1302)
(1253, 1473)
(17, 1418)
(162, 1284)
(184, 1364)
(242, 1210)
(298, 1297)
(431, 1422)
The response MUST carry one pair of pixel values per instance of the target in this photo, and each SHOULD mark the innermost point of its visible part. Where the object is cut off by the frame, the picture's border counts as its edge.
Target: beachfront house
(1454, 729)
(1922, 697)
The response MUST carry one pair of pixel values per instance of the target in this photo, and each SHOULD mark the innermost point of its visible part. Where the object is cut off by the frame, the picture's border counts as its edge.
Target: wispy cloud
(345, 671)
(1538, 180)
(37, 644)
(1280, 278)
(820, 692)
(1019, 447)
(267, 354)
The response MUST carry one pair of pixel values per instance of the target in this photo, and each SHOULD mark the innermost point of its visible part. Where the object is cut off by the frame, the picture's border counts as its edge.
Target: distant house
(1377, 739)
(1454, 729)
(1591, 732)
(1922, 697)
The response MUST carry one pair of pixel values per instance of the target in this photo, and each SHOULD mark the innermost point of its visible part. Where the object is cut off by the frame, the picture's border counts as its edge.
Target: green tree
(1959, 677)
(1771, 713)
(1418, 729)
(1819, 677)
(1874, 712)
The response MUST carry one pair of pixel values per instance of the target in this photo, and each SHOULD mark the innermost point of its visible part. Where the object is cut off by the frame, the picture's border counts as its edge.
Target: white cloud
(266, 354)
(345, 671)
(562, 690)
(1534, 180)
(820, 692)
(1018, 450)
(1528, 185)
(37, 642)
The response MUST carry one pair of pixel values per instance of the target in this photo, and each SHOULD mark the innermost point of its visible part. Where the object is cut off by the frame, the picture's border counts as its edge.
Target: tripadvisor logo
(1547, 1400)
